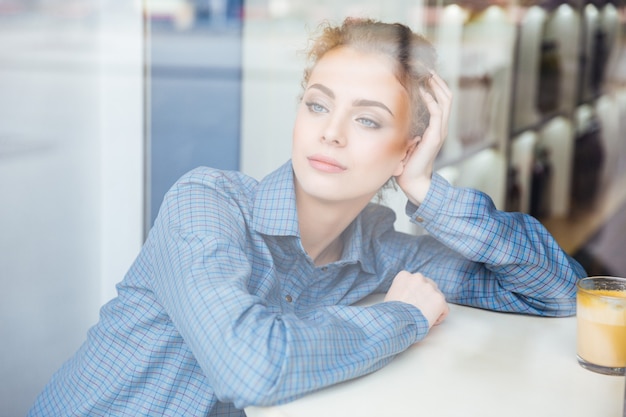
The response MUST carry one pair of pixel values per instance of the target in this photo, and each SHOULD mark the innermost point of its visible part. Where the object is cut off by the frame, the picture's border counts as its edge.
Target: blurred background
(104, 104)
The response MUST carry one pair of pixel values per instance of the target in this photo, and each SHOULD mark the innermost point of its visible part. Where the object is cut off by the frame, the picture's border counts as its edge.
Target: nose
(334, 131)
(330, 138)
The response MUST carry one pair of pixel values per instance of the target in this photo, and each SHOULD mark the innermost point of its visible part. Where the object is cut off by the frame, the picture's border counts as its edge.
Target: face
(352, 127)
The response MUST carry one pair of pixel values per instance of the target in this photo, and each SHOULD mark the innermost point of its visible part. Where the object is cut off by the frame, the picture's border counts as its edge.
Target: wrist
(417, 190)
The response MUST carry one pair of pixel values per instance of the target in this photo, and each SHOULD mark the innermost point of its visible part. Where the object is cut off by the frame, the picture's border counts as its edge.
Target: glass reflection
(194, 89)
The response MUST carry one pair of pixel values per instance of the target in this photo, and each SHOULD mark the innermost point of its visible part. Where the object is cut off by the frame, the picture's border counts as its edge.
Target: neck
(321, 225)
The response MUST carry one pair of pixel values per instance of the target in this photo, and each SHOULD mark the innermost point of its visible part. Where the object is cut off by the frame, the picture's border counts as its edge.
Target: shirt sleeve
(492, 259)
(250, 353)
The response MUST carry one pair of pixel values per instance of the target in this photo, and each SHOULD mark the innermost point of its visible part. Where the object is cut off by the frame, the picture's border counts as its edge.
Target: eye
(368, 122)
(316, 107)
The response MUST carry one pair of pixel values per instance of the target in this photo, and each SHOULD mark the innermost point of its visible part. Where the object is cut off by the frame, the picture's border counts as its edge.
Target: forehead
(358, 73)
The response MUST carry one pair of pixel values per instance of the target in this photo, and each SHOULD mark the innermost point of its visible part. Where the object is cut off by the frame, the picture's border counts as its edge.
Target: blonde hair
(414, 57)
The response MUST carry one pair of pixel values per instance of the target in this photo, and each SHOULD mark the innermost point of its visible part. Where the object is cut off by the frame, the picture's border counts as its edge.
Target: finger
(437, 83)
(437, 117)
(442, 317)
(443, 98)
(442, 92)
(432, 282)
(431, 103)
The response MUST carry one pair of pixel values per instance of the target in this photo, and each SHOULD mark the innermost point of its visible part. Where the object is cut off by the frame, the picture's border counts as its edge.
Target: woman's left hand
(420, 160)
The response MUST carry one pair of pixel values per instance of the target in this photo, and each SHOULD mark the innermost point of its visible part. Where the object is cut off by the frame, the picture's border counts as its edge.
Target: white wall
(70, 181)
(121, 143)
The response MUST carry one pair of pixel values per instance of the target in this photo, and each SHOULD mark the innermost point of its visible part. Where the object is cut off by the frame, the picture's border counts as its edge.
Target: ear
(410, 148)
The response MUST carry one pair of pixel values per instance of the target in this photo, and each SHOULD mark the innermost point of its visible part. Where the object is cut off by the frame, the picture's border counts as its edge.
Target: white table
(476, 363)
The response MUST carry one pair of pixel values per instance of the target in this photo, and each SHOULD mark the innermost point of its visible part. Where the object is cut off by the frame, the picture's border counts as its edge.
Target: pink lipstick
(325, 164)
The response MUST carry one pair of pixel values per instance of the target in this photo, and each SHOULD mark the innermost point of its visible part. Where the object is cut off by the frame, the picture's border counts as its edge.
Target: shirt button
(288, 298)
(324, 268)
(419, 219)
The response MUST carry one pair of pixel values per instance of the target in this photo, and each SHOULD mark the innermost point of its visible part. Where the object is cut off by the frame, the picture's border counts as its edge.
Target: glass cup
(601, 322)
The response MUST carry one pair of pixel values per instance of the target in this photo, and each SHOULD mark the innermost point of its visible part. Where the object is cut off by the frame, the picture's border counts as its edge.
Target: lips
(326, 164)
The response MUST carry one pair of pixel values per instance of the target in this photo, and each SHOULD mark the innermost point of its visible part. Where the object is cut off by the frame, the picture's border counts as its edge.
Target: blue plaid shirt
(223, 305)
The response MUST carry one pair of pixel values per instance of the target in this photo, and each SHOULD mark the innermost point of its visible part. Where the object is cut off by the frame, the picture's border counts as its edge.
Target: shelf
(573, 231)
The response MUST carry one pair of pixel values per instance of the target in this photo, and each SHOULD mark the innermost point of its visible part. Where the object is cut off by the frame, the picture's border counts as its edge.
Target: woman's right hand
(421, 292)
(420, 160)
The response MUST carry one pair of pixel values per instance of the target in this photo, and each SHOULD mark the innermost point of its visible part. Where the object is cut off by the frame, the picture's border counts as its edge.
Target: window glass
(193, 90)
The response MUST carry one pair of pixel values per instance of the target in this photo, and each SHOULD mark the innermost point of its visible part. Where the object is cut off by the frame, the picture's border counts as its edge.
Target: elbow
(250, 388)
(255, 373)
(550, 307)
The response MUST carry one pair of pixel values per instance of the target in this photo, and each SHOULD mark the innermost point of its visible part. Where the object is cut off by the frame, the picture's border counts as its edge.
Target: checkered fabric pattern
(223, 309)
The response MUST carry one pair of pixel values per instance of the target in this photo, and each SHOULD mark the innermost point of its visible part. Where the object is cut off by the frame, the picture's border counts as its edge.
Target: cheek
(302, 125)
(391, 156)
(298, 129)
(394, 148)
(401, 145)
(380, 159)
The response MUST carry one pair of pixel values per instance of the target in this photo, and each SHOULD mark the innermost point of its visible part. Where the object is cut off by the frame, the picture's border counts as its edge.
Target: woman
(242, 292)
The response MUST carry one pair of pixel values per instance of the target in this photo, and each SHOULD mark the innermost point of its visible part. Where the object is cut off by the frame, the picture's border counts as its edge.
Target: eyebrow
(372, 103)
(358, 103)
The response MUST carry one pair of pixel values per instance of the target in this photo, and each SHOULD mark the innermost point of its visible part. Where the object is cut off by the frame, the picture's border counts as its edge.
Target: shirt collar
(355, 247)
(275, 204)
(275, 214)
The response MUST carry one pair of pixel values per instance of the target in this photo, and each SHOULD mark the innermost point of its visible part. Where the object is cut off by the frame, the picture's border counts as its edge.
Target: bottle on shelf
(541, 185)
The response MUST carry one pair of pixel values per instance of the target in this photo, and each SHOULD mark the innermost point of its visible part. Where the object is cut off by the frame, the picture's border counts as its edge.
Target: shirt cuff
(433, 202)
(416, 316)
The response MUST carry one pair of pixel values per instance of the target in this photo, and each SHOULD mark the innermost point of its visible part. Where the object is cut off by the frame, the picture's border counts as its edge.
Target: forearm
(509, 255)
(332, 345)
(253, 355)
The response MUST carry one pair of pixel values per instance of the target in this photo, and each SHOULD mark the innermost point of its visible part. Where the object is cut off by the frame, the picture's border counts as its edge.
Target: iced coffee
(601, 321)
